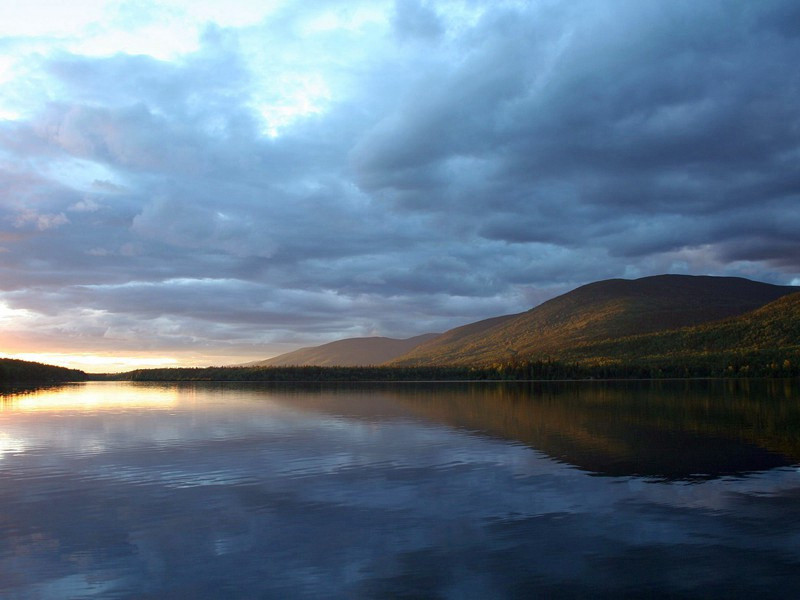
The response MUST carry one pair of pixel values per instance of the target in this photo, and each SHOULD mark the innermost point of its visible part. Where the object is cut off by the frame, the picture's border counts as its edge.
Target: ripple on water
(450, 491)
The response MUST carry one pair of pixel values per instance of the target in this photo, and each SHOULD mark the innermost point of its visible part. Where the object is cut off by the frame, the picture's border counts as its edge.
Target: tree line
(744, 365)
(21, 371)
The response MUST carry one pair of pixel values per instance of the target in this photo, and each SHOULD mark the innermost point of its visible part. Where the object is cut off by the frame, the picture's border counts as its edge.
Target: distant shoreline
(440, 381)
(742, 366)
(735, 368)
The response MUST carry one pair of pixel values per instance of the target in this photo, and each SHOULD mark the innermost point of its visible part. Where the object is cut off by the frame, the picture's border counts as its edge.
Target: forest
(14, 371)
(753, 364)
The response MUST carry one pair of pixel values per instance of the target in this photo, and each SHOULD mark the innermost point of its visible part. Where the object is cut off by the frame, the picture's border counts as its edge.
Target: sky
(192, 183)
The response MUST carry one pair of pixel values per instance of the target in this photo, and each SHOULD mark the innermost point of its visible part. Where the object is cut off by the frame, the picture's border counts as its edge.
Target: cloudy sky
(197, 182)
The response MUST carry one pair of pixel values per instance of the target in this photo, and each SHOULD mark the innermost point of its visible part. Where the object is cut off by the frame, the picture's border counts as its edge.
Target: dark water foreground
(673, 489)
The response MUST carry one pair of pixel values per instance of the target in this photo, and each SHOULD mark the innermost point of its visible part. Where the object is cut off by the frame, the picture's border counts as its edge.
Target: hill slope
(351, 352)
(772, 331)
(21, 371)
(604, 310)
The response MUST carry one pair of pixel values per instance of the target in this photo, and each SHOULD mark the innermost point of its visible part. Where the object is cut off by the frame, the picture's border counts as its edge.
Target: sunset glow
(94, 363)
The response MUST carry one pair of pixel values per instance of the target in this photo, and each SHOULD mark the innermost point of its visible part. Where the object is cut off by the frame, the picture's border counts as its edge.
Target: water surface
(679, 489)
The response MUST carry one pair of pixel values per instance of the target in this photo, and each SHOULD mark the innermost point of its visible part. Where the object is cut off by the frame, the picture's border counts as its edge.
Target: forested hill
(762, 343)
(20, 371)
(597, 312)
(768, 337)
(347, 353)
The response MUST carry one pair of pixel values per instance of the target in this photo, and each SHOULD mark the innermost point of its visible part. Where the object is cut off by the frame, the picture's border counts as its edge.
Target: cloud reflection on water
(228, 490)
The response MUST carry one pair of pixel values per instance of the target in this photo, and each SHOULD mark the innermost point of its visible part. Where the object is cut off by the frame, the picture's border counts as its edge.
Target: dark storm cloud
(662, 112)
(451, 162)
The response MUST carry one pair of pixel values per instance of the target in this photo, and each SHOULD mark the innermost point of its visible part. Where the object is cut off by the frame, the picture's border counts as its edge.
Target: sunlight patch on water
(92, 398)
(10, 445)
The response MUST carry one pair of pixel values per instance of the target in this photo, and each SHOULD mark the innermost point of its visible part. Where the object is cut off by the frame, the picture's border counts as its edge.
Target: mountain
(593, 313)
(349, 352)
(772, 330)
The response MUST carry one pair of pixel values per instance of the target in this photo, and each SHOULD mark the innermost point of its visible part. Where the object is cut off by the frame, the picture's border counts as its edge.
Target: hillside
(20, 371)
(350, 352)
(596, 312)
(761, 343)
(772, 331)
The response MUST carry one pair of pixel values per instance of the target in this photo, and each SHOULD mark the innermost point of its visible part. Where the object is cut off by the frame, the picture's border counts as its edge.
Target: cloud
(415, 20)
(42, 222)
(449, 161)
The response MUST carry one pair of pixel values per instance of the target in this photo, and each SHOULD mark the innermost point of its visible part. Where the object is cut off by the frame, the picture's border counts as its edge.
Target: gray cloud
(451, 162)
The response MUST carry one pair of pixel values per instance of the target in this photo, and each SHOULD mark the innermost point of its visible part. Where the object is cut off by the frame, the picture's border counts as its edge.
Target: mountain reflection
(667, 430)
(664, 430)
(399, 490)
(661, 430)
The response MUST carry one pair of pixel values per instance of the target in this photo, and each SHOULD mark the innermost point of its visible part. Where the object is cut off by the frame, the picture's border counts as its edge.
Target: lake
(468, 490)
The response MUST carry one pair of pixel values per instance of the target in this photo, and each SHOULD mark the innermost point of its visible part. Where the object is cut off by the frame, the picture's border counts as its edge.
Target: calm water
(114, 490)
